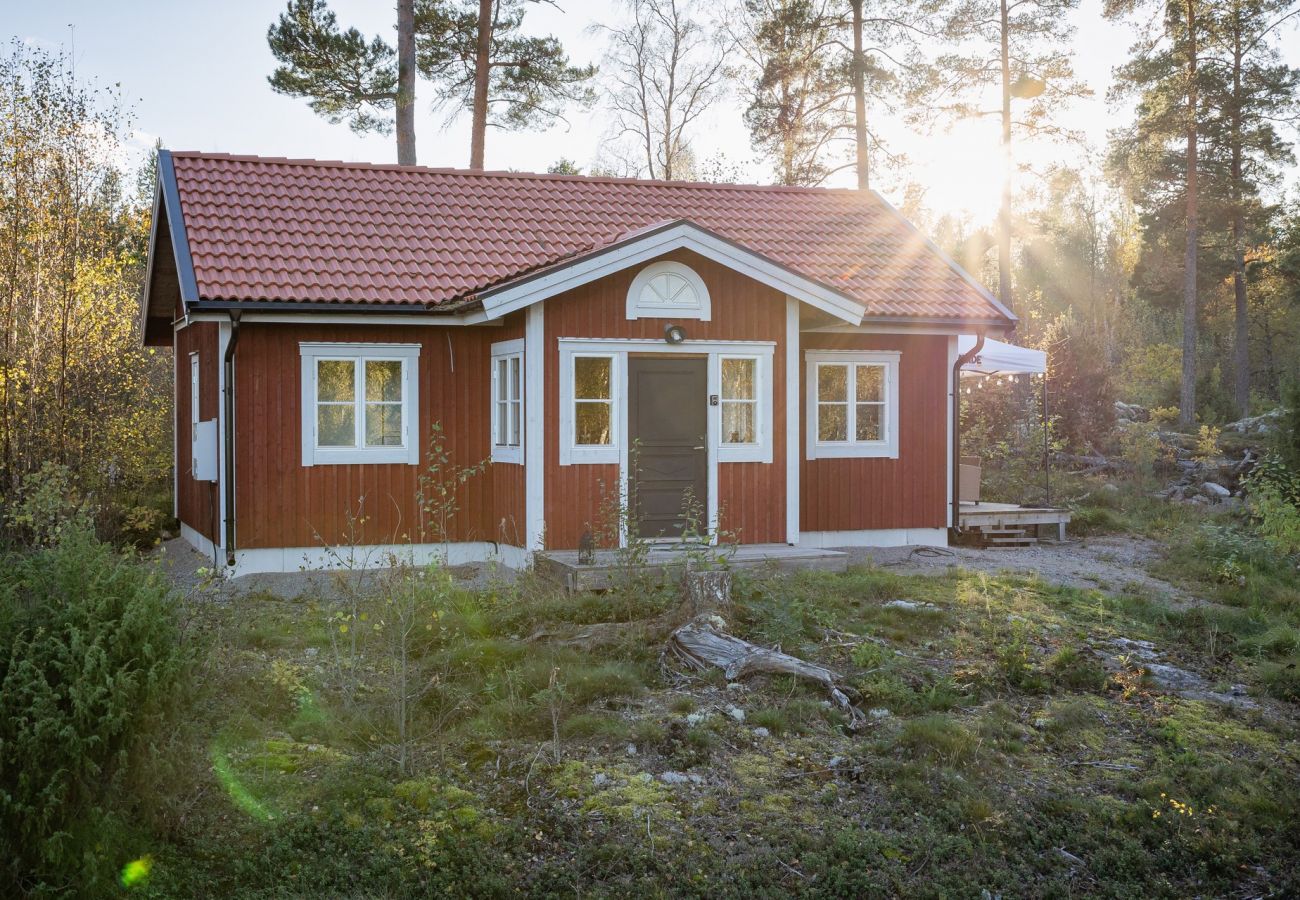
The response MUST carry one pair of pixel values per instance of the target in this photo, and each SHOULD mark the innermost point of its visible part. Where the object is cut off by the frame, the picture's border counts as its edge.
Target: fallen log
(701, 643)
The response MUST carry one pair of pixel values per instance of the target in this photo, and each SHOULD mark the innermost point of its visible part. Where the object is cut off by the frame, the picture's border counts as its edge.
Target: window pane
(591, 377)
(832, 383)
(335, 425)
(335, 379)
(832, 422)
(871, 383)
(383, 424)
(738, 423)
(869, 422)
(502, 418)
(514, 424)
(738, 379)
(502, 385)
(515, 393)
(384, 380)
(593, 423)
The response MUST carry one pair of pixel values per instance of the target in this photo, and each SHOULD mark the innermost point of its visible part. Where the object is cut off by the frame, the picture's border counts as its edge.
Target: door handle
(701, 447)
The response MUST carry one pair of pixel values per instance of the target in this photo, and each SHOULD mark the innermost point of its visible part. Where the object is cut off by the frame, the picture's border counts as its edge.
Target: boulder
(1215, 491)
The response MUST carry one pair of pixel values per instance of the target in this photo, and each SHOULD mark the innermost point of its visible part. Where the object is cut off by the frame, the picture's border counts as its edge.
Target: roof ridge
(505, 173)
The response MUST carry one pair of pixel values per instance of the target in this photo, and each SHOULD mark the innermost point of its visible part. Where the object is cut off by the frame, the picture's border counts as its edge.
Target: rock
(834, 762)
(601, 779)
(674, 778)
(631, 750)
(736, 713)
(696, 779)
(879, 712)
(1257, 425)
(1215, 491)
(1175, 680)
(1108, 488)
(761, 732)
(1200, 499)
(696, 718)
(1069, 857)
(735, 686)
(910, 605)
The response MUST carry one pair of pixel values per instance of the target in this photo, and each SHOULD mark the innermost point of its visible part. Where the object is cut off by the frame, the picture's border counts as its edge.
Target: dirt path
(1112, 563)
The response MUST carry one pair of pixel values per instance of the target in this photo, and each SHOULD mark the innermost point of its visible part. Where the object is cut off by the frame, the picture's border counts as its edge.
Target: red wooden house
(783, 355)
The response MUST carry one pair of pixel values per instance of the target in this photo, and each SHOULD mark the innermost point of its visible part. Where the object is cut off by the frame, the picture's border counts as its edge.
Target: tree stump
(708, 592)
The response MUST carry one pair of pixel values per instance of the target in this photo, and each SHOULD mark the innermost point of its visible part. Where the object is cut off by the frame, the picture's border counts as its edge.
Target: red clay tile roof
(308, 231)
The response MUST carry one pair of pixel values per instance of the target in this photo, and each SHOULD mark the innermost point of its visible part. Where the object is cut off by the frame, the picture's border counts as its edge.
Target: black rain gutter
(956, 424)
(228, 436)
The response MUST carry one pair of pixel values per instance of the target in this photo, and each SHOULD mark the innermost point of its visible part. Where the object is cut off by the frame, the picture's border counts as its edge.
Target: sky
(195, 74)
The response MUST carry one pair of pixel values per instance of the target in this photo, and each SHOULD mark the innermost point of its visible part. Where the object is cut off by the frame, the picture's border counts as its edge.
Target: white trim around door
(617, 450)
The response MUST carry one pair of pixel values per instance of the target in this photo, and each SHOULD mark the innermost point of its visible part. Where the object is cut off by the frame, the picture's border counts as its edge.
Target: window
(852, 403)
(739, 400)
(668, 289)
(508, 402)
(593, 401)
(590, 384)
(194, 413)
(359, 403)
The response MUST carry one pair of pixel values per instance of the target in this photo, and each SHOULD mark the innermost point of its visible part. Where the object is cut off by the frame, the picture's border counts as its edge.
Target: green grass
(1005, 739)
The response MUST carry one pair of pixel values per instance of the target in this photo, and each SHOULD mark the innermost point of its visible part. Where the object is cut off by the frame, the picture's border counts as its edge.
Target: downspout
(956, 425)
(228, 436)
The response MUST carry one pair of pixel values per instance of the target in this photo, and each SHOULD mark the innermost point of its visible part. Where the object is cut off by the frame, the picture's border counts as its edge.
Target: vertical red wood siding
(908, 492)
(196, 501)
(751, 496)
(281, 503)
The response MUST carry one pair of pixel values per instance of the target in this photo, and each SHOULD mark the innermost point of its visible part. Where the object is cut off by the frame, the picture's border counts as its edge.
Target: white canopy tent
(998, 358)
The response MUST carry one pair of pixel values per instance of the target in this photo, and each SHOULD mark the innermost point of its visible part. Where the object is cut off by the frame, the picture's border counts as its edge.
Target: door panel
(668, 428)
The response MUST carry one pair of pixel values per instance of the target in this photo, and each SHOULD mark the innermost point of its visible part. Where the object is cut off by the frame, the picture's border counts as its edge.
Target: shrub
(90, 664)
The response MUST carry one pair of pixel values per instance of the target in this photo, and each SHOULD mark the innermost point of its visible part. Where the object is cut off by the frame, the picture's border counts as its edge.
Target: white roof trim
(679, 236)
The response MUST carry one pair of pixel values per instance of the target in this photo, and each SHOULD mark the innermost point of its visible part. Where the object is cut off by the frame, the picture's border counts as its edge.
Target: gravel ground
(1110, 563)
(189, 570)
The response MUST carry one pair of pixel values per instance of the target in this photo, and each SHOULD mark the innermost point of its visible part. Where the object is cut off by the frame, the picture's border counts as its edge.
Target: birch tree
(665, 69)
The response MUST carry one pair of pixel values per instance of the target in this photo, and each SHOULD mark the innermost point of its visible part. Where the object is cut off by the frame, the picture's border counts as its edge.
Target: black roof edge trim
(324, 307)
(176, 226)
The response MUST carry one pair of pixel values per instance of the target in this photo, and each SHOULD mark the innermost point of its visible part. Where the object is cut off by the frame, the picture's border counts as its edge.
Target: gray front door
(668, 409)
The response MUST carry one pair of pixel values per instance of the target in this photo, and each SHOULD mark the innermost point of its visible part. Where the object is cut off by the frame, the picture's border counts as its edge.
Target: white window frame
(639, 306)
(194, 407)
(759, 450)
(571, 452)
(408, 452)
(887, 447)
(503, 451)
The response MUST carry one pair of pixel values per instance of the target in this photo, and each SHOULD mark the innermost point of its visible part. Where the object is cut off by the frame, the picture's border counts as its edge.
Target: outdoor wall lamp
(674, 334)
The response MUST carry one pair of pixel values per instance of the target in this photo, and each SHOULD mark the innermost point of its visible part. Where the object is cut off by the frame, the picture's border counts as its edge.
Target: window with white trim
(744, 389)
(589, 414)
(852, 403)
(359, 403)
(194, 409)
(508, 402)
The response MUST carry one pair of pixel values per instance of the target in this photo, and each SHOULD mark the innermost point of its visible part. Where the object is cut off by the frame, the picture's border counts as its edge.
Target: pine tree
(473, 51)
(482, 61)
(1250, 89)
(344, 76)
(1020, 48)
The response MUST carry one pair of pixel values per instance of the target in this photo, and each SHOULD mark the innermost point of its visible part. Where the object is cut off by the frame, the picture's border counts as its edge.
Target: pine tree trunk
(1004, 212)
(482, 72)
(1187, 399)
(1241, 335)
(406, 82)
(860, 99)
